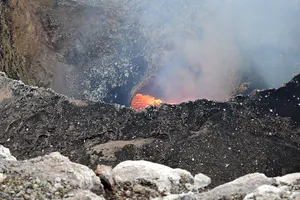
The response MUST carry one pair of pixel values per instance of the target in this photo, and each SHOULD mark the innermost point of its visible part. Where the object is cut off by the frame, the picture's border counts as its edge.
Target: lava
(140, 101)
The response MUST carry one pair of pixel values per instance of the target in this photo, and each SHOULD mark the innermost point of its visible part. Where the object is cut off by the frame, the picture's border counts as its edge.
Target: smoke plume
(209, 46)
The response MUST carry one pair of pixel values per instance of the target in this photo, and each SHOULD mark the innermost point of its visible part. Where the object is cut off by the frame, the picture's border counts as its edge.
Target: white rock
(256, 187)
(5, 154)
(295, 196)
(58, 170)
(288, 179)
(166, 179)
(268, 188)
(265, 192)
(243, 185)
(56, 165)
(201, 181)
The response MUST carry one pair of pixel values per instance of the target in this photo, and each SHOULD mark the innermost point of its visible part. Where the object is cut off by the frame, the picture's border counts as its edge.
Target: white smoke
(212, 42)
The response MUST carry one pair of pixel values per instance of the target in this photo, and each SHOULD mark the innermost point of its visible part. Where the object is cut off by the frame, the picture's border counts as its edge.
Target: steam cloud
(209, 44)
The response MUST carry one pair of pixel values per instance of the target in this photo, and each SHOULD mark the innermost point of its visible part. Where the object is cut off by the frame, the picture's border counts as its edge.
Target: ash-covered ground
(223, 140)
(92, 53)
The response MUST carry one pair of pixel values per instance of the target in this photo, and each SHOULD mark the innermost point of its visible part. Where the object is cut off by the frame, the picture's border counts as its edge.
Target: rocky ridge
(224, 140)
(55, 177)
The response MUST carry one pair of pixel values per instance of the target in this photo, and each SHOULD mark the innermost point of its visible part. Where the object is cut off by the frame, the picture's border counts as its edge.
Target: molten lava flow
(140, 101)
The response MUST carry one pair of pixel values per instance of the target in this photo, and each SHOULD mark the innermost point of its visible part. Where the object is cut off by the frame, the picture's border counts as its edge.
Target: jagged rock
(61, 54)
(55, 177)
(5, 154)
(285, 187)
(222, 140)
(53, 171)
(240, 186)
(249, 187)
(266, 192)
(237, 188)
(164, 179)
(105, 174)
(201, 181)
(289, 179)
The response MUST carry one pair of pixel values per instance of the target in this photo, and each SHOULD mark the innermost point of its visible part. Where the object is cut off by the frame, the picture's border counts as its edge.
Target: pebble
(201, 181)
(128, 193)
(58, 185)
(189, 186)
(71, 195)
(138, 188)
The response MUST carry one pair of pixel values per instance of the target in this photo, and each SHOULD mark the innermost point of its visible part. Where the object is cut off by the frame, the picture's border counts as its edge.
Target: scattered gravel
(18, 186)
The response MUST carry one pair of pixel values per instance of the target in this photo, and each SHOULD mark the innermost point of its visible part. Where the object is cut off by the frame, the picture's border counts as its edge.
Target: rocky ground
(195, 150)
(224, 141)
(55, 177)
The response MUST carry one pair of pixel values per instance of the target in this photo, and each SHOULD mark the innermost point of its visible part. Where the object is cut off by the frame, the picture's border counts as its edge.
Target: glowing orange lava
(140, 101)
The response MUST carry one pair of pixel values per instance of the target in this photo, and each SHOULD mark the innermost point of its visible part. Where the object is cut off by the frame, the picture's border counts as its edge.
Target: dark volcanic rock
(223, 140)
(84, 49)
(284, 101)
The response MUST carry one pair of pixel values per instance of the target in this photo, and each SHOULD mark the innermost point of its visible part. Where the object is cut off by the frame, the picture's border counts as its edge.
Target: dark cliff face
(78, 48)
(223, 140)
(284, 101)
(11, 62)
